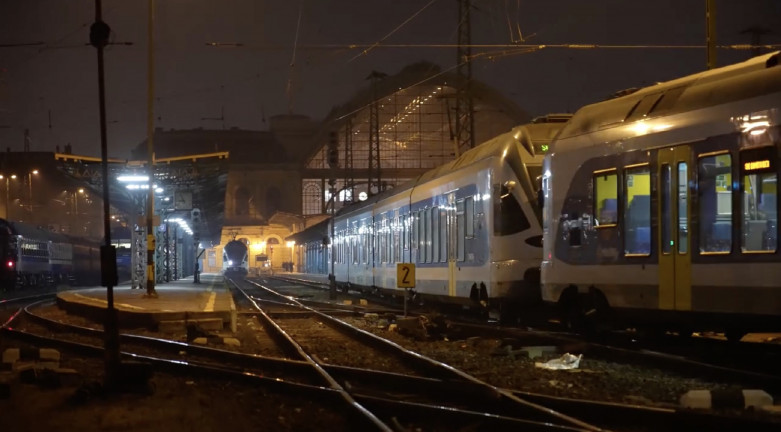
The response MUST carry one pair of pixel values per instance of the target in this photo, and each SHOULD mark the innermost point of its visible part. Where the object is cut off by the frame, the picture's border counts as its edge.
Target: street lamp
(30, 184)
(75, 209)
(7, 194)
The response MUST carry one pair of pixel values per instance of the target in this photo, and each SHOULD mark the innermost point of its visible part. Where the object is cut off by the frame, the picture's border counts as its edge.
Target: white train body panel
(471, 227)
(666, 200)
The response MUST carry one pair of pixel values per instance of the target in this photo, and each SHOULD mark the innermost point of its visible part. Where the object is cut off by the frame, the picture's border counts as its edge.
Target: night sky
(194, 82)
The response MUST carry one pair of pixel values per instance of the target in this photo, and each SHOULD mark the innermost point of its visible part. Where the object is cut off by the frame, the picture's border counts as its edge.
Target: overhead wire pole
(710, 32)
(465, 122)
(150, 130)
(349, 180)
(333, 164)
(99, 35)
(375, 176)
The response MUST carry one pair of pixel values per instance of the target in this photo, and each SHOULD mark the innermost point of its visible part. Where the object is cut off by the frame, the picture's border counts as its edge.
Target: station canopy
(415, 116)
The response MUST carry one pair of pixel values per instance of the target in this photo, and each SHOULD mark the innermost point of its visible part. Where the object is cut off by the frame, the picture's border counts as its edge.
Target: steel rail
(442, 369)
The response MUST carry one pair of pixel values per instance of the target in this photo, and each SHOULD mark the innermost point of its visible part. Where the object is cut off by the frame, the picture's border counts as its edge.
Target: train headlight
(230, 263)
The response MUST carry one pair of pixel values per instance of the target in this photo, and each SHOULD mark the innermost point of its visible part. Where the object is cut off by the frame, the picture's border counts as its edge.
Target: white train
(471, 227)
(235, 260)
(661, 206)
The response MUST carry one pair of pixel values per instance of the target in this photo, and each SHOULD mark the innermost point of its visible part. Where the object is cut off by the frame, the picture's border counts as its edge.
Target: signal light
(10, 264)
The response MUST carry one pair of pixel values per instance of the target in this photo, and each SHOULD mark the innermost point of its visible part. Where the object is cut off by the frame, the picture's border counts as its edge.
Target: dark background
(51, 89)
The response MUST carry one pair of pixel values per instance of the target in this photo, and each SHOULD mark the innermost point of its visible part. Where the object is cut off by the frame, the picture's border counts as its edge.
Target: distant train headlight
(230, 262)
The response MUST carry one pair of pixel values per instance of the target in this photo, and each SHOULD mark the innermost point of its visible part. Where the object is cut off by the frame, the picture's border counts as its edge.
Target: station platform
(208, 304)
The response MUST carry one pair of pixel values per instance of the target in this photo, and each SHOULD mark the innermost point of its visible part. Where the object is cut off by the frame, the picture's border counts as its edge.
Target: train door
(674, 238)
(452, 241)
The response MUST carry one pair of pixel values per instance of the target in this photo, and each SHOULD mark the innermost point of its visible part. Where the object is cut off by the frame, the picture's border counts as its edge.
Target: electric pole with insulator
(333, 163)
(98, 37)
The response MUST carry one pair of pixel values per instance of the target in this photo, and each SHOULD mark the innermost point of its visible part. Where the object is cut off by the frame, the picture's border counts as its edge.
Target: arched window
(312, 198)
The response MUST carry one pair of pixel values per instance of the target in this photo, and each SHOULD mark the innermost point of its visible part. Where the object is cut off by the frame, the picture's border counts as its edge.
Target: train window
(435, 233)
(443, 238)
(404, 234)
(393, 244)
(422, 236)
(397, 234)
(605, 198)
(413, 230)
(366, 248)
(469, 217)
(637, 211)
(759, 187)
(714, 195)
(665, 209)
(385, 234)
(683, 216)
(381, 240)
(355, 239)
(508, 215)
(428, 235)
(460, 233)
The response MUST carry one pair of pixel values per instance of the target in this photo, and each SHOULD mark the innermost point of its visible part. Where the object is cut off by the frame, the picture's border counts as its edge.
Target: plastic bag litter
(567, 361)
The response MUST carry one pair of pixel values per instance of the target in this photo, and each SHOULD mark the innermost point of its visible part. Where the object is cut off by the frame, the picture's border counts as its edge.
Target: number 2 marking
(405, 269)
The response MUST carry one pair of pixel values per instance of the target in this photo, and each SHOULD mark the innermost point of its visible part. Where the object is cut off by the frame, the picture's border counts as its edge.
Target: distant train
(31, 257)
(235, 259)
(472, 227)
(661, 206)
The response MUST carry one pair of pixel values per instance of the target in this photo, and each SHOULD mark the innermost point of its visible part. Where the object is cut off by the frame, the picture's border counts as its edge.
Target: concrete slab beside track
(178, 304)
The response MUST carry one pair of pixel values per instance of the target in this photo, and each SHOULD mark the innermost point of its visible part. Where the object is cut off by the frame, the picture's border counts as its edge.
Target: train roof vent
(772, 61)
(625, 92)
(553, 118)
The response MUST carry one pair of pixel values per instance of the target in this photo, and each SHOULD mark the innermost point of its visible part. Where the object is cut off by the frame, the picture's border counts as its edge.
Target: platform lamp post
(136, 183)
(8, 194)
(30, 184)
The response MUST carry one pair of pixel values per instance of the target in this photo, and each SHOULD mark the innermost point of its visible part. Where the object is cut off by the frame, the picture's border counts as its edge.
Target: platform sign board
(405, 275)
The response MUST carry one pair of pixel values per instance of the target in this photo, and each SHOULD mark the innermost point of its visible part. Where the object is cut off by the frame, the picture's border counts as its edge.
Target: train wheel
(571, 314)
(509, 314)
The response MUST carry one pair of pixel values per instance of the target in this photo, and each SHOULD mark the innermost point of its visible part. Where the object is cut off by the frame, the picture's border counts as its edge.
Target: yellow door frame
(675, 263)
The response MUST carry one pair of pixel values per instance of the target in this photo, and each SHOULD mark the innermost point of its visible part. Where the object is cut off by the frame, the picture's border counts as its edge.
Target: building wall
(254, 193)
(264, 240)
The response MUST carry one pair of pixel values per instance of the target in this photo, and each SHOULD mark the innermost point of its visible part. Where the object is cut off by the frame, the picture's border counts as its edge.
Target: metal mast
(465, 122)
(349, 181)
(374, 136)
(710, 33)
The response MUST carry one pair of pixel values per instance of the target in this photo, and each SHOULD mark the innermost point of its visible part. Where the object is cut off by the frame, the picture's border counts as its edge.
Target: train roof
(35, 232)
(315, 232)
(708, 88)
(530, 136)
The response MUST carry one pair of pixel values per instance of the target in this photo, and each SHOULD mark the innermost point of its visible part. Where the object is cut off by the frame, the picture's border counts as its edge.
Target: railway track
(421, 393)
(743, 363)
